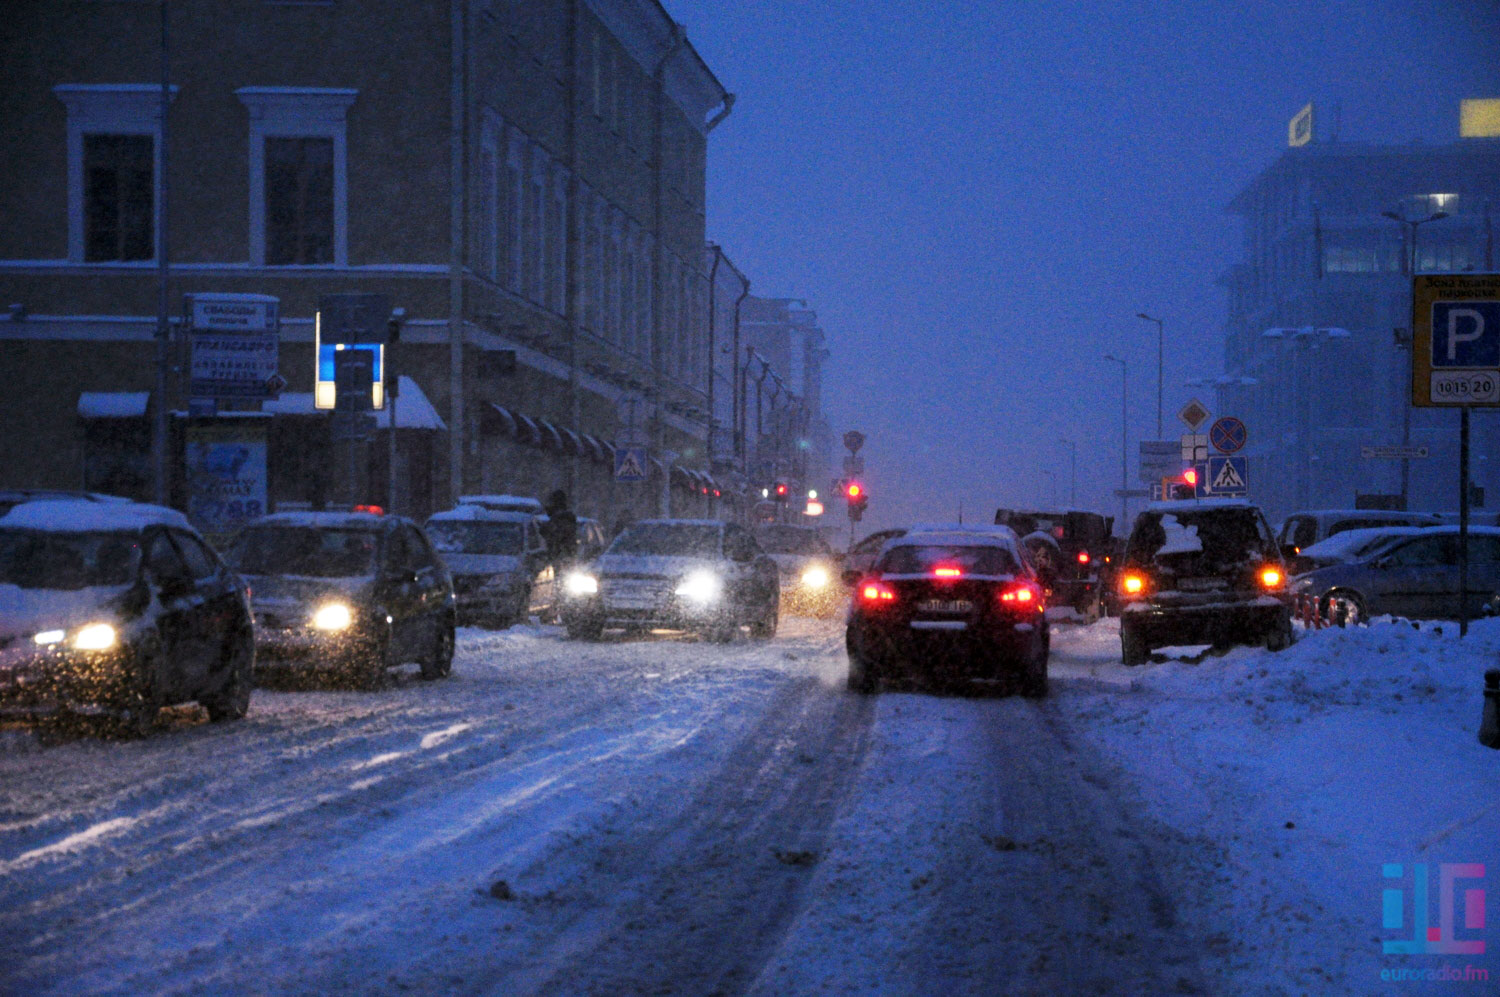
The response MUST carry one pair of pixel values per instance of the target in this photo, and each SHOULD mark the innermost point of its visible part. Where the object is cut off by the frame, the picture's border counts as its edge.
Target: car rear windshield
(669, 540)
(36, 559)
(311, 552)
(475, 536)
(790, 540)
(1211, 537)
(910, 559)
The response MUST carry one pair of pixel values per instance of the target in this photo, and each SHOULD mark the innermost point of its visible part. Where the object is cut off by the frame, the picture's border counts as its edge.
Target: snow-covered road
(653, 816)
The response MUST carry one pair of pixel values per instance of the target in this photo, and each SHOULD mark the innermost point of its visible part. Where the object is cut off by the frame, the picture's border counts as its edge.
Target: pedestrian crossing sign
(1228, 477)
(630, 464)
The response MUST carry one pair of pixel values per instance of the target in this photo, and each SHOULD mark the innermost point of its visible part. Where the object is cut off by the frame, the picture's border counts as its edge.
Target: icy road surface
(669, 816)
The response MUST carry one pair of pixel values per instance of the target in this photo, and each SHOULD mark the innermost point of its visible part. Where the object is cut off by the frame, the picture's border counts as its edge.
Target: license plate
(1202, 584)
(632, 596)
(946, 606)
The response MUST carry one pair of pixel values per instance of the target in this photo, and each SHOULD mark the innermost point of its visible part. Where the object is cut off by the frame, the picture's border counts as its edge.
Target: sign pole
(1463, 521)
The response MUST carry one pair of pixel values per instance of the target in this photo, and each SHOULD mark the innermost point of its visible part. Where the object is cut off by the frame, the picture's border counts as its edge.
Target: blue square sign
(1227, 477)
(1466, 334)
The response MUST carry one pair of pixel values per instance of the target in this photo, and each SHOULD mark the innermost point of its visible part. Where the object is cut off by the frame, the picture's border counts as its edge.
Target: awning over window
(503, 421)
(113, 404)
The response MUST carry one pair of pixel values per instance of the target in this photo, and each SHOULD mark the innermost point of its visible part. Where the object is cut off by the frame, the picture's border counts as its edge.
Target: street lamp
(1124, 445)
(1148, 318)
(1072, 446)
(1409, 234)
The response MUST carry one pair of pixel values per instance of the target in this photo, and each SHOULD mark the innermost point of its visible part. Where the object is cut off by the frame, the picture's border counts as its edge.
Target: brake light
(1271, 577)
(1021, 594)
(1083, 557)
(875, 593)
(1133, 584)
(947, 571)
(373, 510)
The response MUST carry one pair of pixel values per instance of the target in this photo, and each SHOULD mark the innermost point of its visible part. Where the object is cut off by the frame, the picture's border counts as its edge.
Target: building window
(557, 244)
(299, 176)
(114, 170)
(299, 201)
(118, 196)
(515, 199)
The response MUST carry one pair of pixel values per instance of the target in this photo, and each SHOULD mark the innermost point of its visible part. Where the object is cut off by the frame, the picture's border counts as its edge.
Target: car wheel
(862, 678)
(1344, 608)
(721, 633)
(589, 630)
(440, 663)
(765, 627)
(1034, 684)
(232, 699)
(1133, 647)
(1280, 637)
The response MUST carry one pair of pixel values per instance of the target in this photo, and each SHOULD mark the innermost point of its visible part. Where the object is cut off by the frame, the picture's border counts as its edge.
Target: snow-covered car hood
(483, 564)
(287, 590)
(655, 565)
(24, 612)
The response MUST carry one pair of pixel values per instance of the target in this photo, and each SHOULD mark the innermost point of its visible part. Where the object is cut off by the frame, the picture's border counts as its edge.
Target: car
(117, 609)
(352, 593)
(1303, 529)
(1346, 546)
(1413, 576)
(808, 568)
(498, 561)
(1071, 548)
(862, 556)
(949, 608)
(591, 539)
(505, 503)
(698, 575)
(1203, 571)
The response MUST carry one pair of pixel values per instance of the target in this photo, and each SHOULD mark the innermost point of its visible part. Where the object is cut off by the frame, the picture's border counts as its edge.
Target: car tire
(1280, 637)
(589, 630)
(439, 664)
(862, 678)
(1352, 603)
(765, 628)
(1133, 647)
(1034, 683)
(231, 701)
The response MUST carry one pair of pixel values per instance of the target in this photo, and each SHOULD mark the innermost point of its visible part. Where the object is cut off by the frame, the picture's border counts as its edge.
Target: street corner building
(523, 183)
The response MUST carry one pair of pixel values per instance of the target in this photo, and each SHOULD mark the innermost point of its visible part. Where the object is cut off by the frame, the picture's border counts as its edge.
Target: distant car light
(95, 637)
(1083, 557)
(333, 616)
(579, 583)
(1271, 577)
(815, 578)
(700, 586)
(1133, 584)
(49, 637)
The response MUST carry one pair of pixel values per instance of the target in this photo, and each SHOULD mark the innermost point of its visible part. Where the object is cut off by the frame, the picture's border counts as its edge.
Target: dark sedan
(350, 593)
(1415, 576)
(946, 608)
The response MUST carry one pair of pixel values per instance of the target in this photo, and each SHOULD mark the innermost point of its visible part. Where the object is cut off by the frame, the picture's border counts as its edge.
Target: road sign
(1226, 477)
(1227, 435)
(1193, 448)
(1194, 414)
(1159, 459)
(630, 464)
(1392, 453)
(353, 318)
(854, 465)
(1455, 356)
(853, 440)
(234, 341)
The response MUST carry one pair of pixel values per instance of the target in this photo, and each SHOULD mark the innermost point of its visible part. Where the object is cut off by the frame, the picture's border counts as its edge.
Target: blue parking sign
(1466, 334)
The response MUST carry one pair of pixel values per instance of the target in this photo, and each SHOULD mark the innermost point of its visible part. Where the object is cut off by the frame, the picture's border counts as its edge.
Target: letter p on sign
(1465, 334)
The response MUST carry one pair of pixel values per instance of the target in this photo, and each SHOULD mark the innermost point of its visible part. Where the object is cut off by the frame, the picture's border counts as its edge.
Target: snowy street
(665, 815)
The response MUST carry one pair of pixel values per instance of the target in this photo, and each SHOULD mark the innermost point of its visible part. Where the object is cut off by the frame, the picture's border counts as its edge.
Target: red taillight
(875, 593)
(1020, 597)
(373, 510)
(947, 571)
(1083, 557)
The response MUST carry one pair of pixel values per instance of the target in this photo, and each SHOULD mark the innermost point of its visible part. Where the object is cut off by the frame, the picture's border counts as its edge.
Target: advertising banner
(226, 475)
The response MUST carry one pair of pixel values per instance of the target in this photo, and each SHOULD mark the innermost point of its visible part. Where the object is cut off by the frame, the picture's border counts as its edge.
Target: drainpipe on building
(737, 385)
(658, 256)
(457, 114)
(573, 237)
(159, 475)
(713, 341)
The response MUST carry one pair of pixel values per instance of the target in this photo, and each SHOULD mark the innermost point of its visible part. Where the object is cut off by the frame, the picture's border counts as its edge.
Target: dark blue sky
(978, 199)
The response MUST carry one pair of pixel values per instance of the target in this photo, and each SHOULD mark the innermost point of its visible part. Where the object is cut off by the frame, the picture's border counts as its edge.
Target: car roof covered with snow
(481, 513)
(716, 523)
(1189, 505)
(1348, 541)
(88, 516)
(503, 502)
(970, 529)
(956, 538)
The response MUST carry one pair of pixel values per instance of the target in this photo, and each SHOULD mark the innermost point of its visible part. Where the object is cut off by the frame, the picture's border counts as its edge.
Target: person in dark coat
(560, 531)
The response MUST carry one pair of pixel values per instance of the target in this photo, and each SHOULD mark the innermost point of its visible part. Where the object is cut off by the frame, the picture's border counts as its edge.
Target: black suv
(1071, 549)
(1201, 572)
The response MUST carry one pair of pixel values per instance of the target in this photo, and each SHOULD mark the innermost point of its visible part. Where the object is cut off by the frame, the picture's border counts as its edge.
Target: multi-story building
(785, 432)
(1316, 351)
(525, 180)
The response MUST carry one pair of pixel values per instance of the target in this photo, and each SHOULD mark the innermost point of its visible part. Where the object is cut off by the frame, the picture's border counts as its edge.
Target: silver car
(1415, 576)
(499, 564)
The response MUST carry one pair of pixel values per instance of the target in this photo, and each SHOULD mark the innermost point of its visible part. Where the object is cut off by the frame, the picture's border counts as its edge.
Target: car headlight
(815, 578)
(700, 586)
(333, 616)
(95, 637)
(49, 637)
(579, 583)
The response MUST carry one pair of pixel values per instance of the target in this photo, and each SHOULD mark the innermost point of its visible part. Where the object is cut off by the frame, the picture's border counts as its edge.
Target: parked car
(499, 564)
(352, 593)
(1414, 576)
(1303, 529)
(679, 574)
(808, 569)
(118, 608)
(1201, 572)
(12, 497)
(1071, 553)
(505, 503)
(948, 608)
(1347, 546)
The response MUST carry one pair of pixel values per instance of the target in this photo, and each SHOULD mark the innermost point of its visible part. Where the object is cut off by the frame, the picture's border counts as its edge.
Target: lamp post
(1072, 446)
(1124, 444)
(1408, 268)
(1159, 341)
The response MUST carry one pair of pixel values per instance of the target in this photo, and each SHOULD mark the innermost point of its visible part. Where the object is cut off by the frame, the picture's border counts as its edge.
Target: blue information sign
(630, 464)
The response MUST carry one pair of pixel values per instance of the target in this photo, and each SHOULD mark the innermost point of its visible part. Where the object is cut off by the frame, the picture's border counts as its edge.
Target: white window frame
(110, 109)
(298, 112)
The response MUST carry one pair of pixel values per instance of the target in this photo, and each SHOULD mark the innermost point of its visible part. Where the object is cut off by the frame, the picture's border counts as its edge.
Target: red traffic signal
(781, 491)
(1190, 476)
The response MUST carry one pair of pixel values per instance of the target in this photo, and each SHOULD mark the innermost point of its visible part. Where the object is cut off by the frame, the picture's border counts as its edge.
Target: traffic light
(857, 499)
(780, 491)
(1188, 487)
